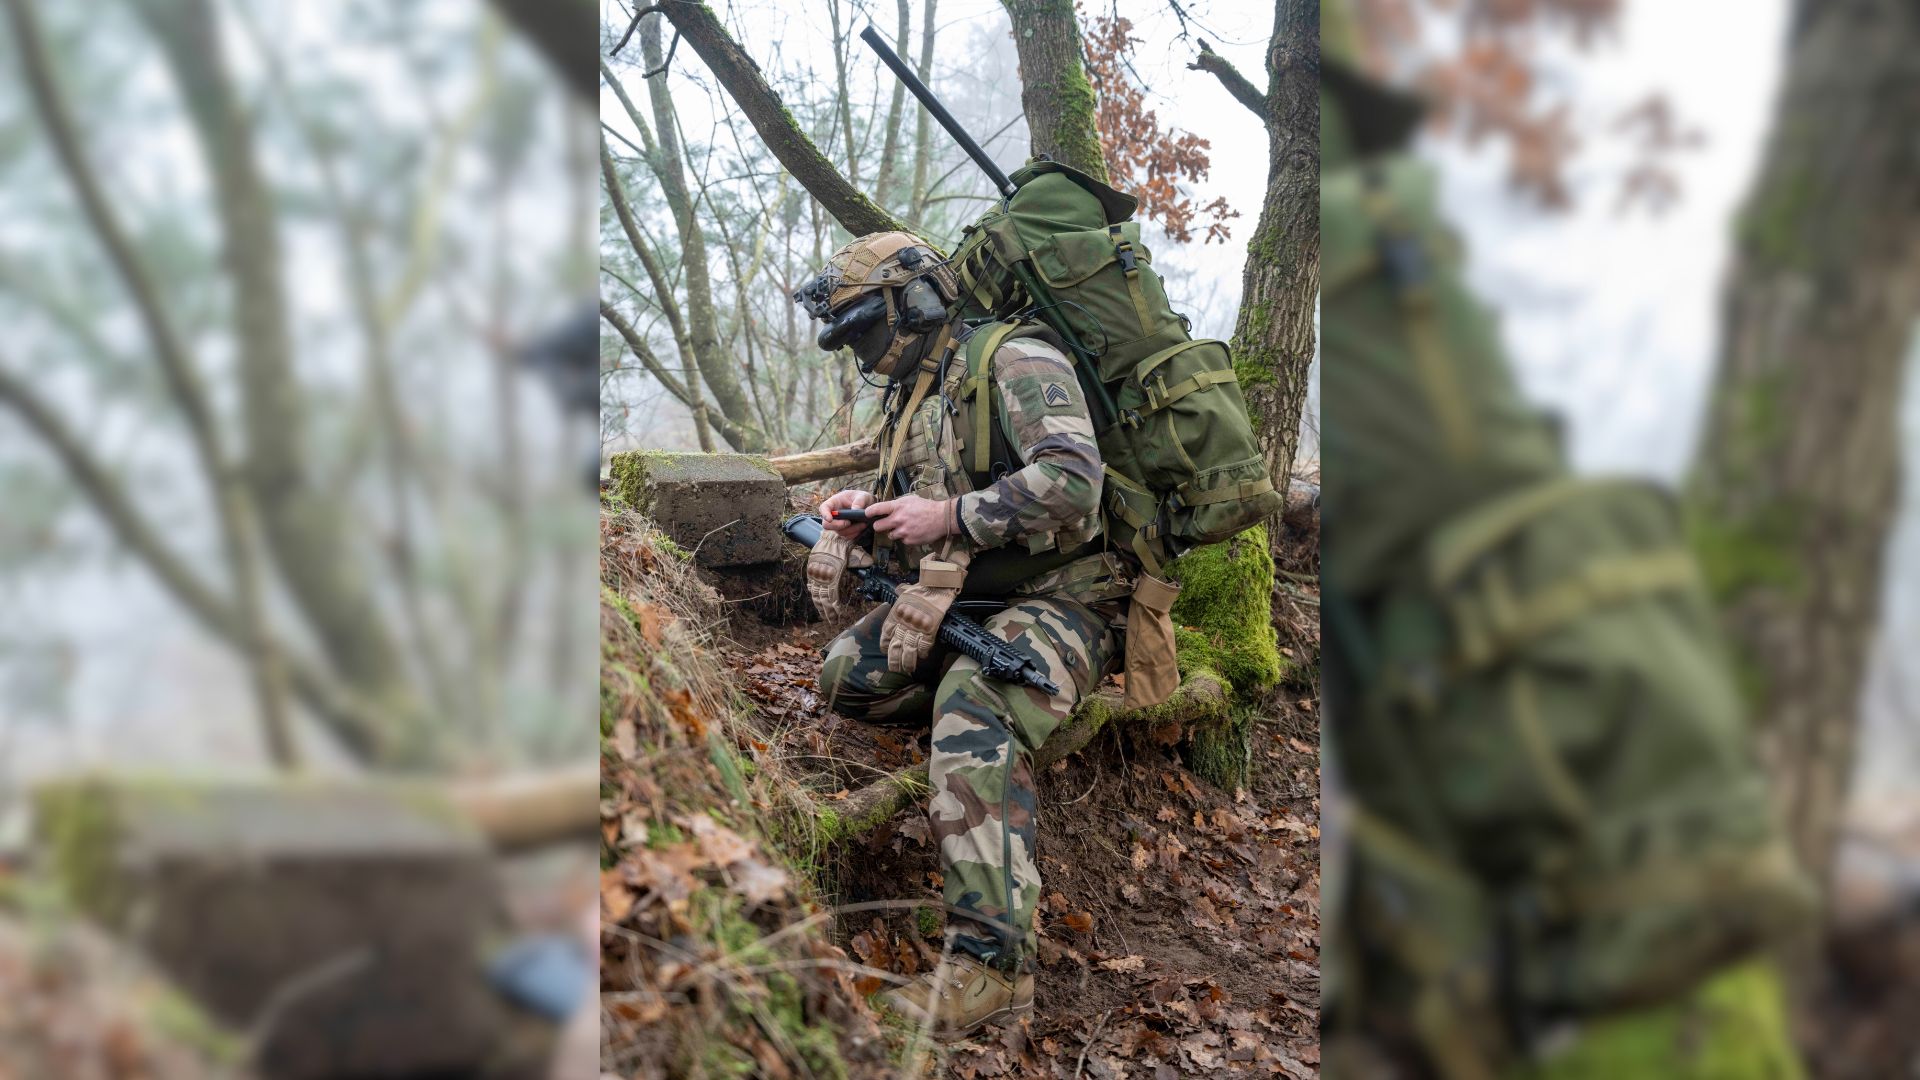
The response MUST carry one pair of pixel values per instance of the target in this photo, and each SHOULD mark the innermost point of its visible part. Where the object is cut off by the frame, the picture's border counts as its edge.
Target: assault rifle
(997, 659)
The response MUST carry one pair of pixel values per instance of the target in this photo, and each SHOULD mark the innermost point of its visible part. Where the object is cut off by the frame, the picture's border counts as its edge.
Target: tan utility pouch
(1153, 674)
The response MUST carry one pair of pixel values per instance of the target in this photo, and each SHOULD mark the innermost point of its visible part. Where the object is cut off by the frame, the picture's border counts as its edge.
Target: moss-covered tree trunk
(1797, 478)
(741, 77)
(1273, 335)
(1054, 92)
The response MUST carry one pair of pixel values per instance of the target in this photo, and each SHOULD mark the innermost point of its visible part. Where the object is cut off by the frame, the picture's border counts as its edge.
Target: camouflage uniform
(1041, 516)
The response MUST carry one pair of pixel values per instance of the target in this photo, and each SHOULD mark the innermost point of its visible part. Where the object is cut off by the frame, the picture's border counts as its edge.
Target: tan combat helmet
(881, 295)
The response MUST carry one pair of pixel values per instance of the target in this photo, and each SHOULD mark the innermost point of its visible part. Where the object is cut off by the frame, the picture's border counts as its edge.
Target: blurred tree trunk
(305, 526)
(1054, 92)
(1273, 334)
(1797, 480)
(741, 77)
(715, 368)
(886, 184)
(233, 507)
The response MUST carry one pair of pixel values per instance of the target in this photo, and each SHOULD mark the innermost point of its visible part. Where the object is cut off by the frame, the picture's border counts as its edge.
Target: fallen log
(1200, 704)
(826, 464)
(531, 810)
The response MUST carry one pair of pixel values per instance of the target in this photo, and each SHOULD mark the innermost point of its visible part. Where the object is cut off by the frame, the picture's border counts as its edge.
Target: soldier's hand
(913, 625)
(913, 520)
(827, 565)
(844, 500)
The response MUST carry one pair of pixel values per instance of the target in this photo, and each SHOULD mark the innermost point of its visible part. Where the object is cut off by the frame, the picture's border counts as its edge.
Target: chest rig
(943, 438)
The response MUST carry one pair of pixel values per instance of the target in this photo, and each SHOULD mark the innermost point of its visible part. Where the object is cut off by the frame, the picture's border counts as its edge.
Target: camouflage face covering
(983, 809)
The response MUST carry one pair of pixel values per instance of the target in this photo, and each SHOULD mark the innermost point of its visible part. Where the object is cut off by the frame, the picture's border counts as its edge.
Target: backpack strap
(1130, 265)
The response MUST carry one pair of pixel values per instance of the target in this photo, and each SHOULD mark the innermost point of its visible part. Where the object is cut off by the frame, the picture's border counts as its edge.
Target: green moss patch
(1223, 619)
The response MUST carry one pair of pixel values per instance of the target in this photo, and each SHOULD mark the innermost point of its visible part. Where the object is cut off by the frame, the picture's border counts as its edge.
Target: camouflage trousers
(984, 733)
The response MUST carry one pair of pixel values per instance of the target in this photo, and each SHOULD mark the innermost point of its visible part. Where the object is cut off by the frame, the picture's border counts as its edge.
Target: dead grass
(715, 959)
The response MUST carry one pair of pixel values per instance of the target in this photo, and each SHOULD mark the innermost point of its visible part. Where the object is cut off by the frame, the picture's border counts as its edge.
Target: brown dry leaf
(645, 1010)
(1167, 734)
(1141, 857)
(868, 985)
(1057, 901)
(719, 844)
(1130, 892)
(840, 795)
(1079, 922)
(1124, 963)
(1167, 813)
(616, 896)
(915, 828)
(757, 881)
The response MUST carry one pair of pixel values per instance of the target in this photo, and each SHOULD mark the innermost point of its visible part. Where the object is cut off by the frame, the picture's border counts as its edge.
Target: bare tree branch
(762, 107)
(691, 390)
(183, 382)
(633, 25)
(666, 379)
(1236, 84)
(356, 726)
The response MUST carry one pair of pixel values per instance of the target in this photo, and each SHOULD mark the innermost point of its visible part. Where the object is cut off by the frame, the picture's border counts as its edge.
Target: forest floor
(1179, 924)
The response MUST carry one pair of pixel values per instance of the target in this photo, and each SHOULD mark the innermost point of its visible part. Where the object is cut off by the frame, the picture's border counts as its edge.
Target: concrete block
(725, 508)
(343, 921)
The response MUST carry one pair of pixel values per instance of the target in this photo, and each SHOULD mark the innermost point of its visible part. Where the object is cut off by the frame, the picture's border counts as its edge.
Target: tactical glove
(914, 623)
(827, 566)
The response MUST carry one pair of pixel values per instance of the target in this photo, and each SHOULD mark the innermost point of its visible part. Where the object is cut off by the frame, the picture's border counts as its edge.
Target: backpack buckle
(1128, 261)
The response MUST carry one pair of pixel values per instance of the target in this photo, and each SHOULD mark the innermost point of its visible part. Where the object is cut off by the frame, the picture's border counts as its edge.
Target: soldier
(1027, 532)
(1549, 850)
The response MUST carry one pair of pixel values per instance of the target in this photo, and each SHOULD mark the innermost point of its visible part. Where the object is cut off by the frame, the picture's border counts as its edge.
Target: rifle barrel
(939, 111)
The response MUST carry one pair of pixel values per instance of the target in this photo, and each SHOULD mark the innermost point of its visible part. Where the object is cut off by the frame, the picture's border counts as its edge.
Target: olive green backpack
(1182, 465)
(1556, 809)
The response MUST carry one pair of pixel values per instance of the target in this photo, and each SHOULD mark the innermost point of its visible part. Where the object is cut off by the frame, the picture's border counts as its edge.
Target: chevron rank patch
(1056, 395)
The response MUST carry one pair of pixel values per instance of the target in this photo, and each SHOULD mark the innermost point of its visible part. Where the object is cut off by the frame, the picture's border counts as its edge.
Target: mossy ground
(1733, 1027)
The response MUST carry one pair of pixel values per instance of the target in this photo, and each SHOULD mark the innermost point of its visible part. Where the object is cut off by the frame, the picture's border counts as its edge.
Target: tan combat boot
(969, 995)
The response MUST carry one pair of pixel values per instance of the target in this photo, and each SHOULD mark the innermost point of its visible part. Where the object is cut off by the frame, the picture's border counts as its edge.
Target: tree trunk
(1273, 335)
(922, 122)
(1797, 480)
(884, 185)
(741, 77)
(1054, 92)
(702, 328)
(843, 97)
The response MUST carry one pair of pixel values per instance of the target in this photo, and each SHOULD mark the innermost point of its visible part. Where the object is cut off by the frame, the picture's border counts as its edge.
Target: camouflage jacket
(1045, 506)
